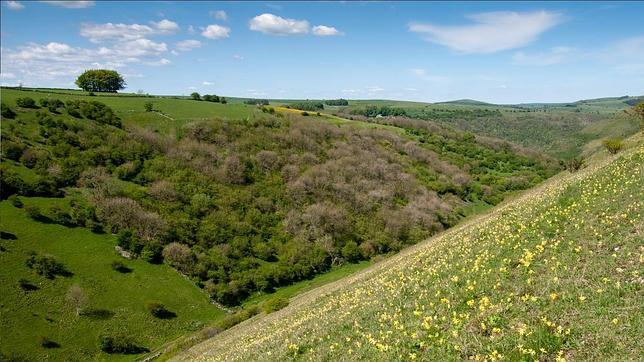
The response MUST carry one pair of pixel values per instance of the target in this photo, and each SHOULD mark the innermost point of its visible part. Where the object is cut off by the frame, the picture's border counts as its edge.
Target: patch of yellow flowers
(536, 280)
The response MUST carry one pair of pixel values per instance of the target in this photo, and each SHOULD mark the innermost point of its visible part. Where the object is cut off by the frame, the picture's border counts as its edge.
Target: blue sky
(501, 52)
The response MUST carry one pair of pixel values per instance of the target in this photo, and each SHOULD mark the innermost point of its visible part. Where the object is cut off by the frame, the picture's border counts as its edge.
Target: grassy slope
(27, 315)
(555, 273)
(177, 111)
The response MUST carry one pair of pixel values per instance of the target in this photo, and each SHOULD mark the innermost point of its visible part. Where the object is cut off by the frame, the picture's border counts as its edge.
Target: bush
(26, 102)
(120, 344)
(159, 310)
(120, 267)
(47, 343)
(274, 304)
(15, 201)
(34, 212)
(613, 145)
(52, 104)
(7, 112)
(12, 150)
(26, 285)
(60, 216)
(305, 114)
(46, 266)
(148, 106)
(574, 164)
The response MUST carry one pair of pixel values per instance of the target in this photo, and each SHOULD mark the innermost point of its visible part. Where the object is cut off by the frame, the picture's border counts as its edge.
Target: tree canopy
(100, 80)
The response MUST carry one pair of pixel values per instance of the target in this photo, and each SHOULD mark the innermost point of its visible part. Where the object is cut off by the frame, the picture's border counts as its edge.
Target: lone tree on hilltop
(100, 80)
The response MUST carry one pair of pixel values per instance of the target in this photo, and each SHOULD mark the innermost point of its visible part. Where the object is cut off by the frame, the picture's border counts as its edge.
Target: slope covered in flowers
(553, 275)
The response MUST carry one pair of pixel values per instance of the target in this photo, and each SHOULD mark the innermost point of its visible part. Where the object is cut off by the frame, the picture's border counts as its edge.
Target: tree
(613, 145)
(148, 106)
(195, 96)
(77, 298)
(638, 109)
(100, 80)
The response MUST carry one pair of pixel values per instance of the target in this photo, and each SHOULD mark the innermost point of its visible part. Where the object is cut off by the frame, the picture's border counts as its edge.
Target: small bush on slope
(555, 275)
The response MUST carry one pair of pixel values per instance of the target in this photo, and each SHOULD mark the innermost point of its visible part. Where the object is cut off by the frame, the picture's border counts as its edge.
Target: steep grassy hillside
(555, 274)
(33, 306)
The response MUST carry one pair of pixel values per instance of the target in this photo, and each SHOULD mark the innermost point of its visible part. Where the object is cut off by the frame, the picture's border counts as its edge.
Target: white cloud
(162, 61)
(97, 33)
(424, 75)
(56, 64)
(140, 47)
(215, 31)
(7, 75)
(491, 32)
(219, 15)
(349, 91)
(374, 88)
(191, 29)
(551, 56)
(71, 4)
(187, 45)
(192, 87)
(323, 30)
(166, 26)
(238, 57)
(276, 25)
(206, 83)
(14, 5)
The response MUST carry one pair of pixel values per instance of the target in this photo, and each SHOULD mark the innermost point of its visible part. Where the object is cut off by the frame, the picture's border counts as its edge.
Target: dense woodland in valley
(252, 204)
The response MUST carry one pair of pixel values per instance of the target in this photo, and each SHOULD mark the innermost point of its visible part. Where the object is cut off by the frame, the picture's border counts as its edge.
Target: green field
(554, 274)
(170, 113)
(116, 300)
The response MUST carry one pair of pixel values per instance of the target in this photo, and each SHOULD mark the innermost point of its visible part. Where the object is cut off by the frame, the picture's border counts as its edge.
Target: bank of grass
(554, 274)
(174, 108)
(116, 300)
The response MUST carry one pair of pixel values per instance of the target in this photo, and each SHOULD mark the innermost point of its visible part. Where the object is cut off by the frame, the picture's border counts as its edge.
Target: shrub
(305, 114)
(15, 201)
(574, 164)
(7, 112)
(274, 304)
(120, 267)
(60, 216)
(159, 310)
(12, 150)
(47, 343)
(120, 343)
(46, 266)
(148, 106)
(26, 285)
(26, 102)
(33, 212)
(613, 145)
(33, 157)
(52, 104)
(179, 256)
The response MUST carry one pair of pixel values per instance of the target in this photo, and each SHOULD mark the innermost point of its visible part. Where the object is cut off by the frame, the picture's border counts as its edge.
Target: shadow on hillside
(98, 314)
(7, 236)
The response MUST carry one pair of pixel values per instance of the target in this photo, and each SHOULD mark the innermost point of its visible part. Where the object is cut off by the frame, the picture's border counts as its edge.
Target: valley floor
(555, 274)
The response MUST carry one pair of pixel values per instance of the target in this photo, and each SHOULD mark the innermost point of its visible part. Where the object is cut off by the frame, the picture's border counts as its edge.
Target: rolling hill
(554, 274)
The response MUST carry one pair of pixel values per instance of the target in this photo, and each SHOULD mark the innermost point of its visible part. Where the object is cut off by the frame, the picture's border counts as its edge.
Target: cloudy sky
(497, 52)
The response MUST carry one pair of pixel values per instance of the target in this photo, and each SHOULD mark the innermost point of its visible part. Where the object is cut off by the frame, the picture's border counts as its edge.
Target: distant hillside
(552, 275)
(470, 102)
